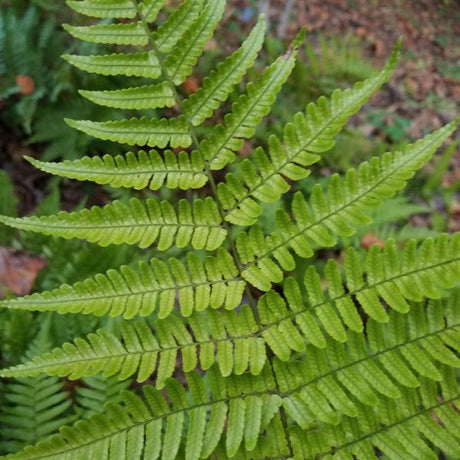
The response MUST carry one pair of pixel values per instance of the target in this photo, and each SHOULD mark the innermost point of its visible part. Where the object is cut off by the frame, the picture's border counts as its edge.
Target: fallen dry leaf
(18, 271)
(191, 85)
(26, 84)
(369, 239)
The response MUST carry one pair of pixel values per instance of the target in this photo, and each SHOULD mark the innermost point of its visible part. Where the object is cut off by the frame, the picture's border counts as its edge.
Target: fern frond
(117, 34)
(149, 9)
(141, 351)
(33, 408)
(154, 425)
(150, 287)
(138, 98)
(326, 216)
(136, 222)
(97, 392)
(104, 8)
(138, 131)
(182, 58)
(141, 64)
(434, 266)
(264, 178)
(247, 112)
(217, 86)
(138, 171)
(414, 426)
(243, 407)
(171, 31)
(392, 355)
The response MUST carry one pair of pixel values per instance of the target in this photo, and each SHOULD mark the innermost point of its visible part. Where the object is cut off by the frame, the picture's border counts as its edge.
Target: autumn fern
(241, 348)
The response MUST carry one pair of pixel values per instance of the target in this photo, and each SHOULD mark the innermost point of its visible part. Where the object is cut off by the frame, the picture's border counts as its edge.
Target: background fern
(243, 347)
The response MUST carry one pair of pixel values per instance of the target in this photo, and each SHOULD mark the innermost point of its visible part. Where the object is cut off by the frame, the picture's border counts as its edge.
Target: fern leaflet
(135, 222)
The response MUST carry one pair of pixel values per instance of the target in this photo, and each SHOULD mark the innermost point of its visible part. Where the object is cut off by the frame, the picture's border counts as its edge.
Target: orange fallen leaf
(369, 239)
(191, 85)
(18, 271)
(26, 84)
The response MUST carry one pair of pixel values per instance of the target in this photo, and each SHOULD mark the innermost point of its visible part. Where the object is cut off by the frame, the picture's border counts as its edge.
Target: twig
(264, 8)
(282, 26)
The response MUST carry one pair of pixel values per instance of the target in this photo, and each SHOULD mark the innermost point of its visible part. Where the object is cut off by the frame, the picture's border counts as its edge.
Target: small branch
(282, 26)
(264, 8)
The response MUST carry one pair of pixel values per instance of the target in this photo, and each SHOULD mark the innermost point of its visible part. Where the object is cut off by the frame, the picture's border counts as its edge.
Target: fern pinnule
(139, 64)
(136, 222)
(287, 325)
(309, 135)
(178, 22)
(182, 58)
(115, 34)
(247, 112)
(319, 222)
(145, 289)
(137, 98)
(107, 9)
(216, 87)
(137, 171)
(138, 131)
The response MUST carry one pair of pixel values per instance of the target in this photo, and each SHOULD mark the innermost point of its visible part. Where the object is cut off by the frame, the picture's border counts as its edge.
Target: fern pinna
(244, 352)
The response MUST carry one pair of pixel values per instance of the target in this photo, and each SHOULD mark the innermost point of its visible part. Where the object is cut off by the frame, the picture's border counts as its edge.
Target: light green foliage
(235, 339)
(136, 222)
(138, 131)
(217, 86)
(303, 139)
(129, 292)
(246, 350)
(143, 97)
(182, 170)
(327, 215)
(104, 8)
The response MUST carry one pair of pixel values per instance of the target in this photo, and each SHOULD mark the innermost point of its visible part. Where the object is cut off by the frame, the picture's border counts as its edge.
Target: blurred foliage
(38, 88)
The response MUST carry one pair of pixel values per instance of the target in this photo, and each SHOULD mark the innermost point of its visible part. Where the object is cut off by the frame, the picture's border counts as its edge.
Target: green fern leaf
(148, 9)
(234, 397)
(125, 425)
(158, 286)
(217, 86)
(356, 360)
(33, 408)
(136, 222)
(326, 216)
(132, 170)
(97, 392)
(141, 351)
(143, 97)
(117, 34)
(407, 428)
(247, 112)
(171, 31)
(104, 8)
(138, 131)
(366, 369)
(141, 64)
(304, 139)
(183, 57)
